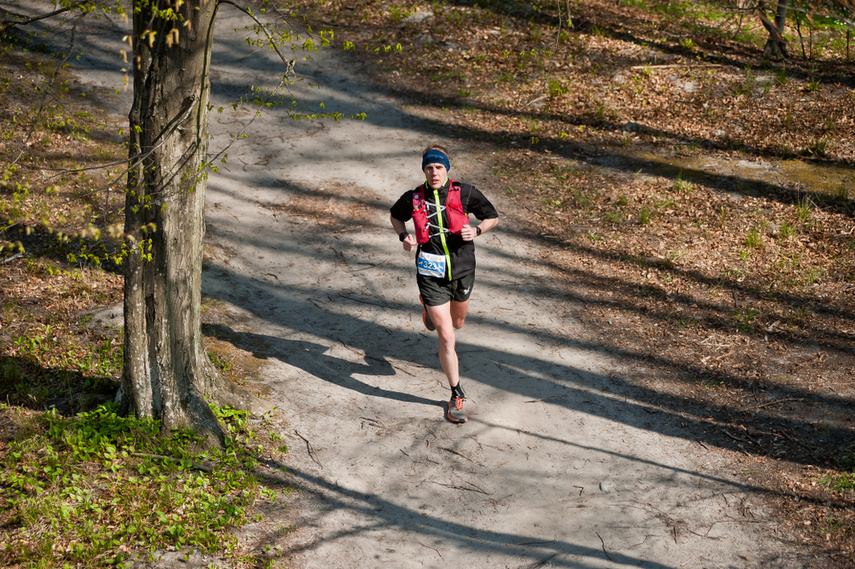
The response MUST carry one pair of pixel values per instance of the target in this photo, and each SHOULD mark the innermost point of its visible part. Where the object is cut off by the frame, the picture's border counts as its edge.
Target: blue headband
(435, 157)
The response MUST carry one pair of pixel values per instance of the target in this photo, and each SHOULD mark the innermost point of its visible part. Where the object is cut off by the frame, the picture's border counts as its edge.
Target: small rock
(424, 39)
(608, 487)
(419, 17)
(105, 319)
(689, 86)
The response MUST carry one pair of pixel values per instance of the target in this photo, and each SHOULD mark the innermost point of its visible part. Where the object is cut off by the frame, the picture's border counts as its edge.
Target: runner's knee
(446, 338)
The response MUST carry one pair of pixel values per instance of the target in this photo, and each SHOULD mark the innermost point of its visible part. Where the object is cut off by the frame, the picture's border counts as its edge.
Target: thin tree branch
(6, 24)
(263, 27)
(773, 30)
(40, 108)
(135, 161)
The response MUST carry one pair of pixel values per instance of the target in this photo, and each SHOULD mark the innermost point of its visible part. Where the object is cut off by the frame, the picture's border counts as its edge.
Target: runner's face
(436, 175)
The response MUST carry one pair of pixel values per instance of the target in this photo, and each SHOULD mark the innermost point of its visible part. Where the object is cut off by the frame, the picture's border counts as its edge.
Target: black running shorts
(437, 291)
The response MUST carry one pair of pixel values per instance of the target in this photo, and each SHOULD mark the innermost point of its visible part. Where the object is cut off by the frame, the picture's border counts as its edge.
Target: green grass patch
(753, 240)
(645, 215)
(683, 186)
(96, 489)
(786, 231)
(745, 318)
(804, 210)
(844, 481)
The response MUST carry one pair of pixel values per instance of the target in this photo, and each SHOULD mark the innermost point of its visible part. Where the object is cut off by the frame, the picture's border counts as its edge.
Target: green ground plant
(753, 240)
(804, 210)
(92, 488)
(683, 186)
(745, 318)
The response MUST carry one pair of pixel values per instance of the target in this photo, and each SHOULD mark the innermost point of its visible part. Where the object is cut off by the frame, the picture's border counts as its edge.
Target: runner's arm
(468, 233)
(401, 227)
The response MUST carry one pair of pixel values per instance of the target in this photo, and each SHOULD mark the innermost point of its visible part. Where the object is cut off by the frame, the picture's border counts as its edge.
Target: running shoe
(455, 412)
(425, 316)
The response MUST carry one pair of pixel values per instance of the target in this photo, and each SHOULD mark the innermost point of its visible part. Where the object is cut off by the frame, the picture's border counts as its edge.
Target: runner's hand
(468, 233)
(409, 243)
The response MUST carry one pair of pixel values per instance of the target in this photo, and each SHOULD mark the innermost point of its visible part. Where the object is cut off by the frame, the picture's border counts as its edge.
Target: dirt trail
(560, 465)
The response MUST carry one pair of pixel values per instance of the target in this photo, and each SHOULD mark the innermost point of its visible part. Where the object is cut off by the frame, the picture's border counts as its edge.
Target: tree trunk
(167, 373)
(776, 45)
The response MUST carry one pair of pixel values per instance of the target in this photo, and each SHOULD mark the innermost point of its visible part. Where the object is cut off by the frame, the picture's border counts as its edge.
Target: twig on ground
(455, 487)
(399, 368)
(309, 449)
(375, 422)
(604, 547)
(701, 534)
(771, 403)
(533, 101)
(478, 488)
(543, 561)
(740, 439)
(429, 547)
(458, 453)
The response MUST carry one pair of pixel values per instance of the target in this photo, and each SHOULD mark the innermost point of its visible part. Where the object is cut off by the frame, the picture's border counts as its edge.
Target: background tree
(776, 45)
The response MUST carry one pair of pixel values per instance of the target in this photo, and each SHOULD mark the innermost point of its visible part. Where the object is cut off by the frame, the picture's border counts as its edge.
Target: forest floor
(696, 201)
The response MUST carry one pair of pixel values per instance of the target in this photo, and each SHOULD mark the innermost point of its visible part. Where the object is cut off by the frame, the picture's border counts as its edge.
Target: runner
(445, 255)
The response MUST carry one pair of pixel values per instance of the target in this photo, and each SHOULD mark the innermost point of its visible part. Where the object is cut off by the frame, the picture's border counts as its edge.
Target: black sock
(456, 391)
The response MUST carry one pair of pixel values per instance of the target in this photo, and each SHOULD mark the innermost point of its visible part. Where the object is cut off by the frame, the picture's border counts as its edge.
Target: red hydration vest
(457, 218)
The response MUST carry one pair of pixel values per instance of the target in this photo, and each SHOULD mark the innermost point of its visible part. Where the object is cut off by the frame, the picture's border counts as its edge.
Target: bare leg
(458, 313)
(444, 320)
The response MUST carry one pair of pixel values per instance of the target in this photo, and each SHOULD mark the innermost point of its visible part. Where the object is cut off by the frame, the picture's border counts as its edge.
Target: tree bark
(167, 373)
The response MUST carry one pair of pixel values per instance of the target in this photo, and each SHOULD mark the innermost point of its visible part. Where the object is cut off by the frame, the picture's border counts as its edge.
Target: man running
(445, 255)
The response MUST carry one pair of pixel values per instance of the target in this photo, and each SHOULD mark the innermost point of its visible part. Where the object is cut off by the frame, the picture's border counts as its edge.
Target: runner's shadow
(313, 359)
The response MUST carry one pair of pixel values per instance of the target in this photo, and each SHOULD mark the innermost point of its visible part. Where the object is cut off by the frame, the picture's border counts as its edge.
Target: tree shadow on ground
(629, 163)
(832, 340)
(386, 514)
(612, 397)
(312, 359)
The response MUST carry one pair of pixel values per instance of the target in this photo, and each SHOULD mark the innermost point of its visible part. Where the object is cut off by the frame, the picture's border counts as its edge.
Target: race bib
(430, 265)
